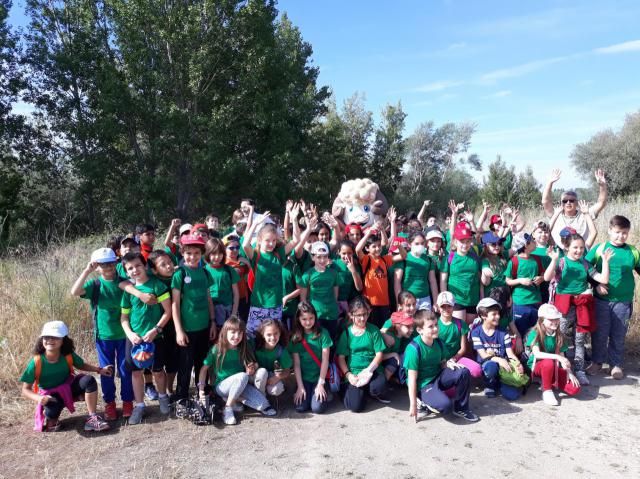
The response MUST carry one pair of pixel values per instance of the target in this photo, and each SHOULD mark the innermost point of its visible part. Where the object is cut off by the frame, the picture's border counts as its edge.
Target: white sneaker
(617, 372)
(582, 377)
(549, 398)
(228, 417)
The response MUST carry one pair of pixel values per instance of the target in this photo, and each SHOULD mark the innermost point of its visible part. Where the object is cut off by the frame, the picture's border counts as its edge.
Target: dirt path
(595, 435)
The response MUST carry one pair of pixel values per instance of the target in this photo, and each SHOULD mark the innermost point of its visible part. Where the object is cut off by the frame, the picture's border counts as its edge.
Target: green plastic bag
(513, 377)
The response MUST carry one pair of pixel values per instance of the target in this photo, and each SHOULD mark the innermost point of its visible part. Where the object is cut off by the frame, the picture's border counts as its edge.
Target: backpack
(515, 261)
(95, 296)
(37, 359)
(633, 249)
(403, 373)
(251, 277)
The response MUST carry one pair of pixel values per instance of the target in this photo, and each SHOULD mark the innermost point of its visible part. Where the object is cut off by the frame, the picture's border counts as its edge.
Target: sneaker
(490, 392)
(127, 408)
(593, 369)
(52, 425)
(150, 392)
(110, 411)
(617, 372)
(228, 417)
(136, 415)
(269, 412)
(467, 415)
(383, 399)
(549, 398)
(96, 423)
(424, 407)
(164, 404)
(582, 377)
(238, 407)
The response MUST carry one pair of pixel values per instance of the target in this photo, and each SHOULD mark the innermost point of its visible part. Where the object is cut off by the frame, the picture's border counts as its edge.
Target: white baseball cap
(446, 297)
(487, 303)
(549, 311)
(57, 329)
(434, 234)
(185, 228)
(319, 247)
(103, 255)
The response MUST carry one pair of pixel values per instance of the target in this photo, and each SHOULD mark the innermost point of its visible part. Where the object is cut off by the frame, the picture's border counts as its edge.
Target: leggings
(553, 375)
(189, 357)
(82, 384)
(237, 388)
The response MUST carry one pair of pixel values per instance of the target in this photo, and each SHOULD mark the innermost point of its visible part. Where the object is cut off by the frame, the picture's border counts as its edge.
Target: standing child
(360, 350)
(435, 251)
(50, 382)
(494, 262)
(349, 278)
(242, 267)
(541, 235)
(547, 359)
(320, 284)
(310, 346)
(493, 347)
(144, 323)
(232, 364)
(418, 272)
(193, 312)
(224, 290)
(273, 357)
(146, 235)
(614, 302)
(105, 296)
(573, 295)
(428, 379)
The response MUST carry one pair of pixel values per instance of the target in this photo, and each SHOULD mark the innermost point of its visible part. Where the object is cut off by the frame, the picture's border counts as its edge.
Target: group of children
(348, 312)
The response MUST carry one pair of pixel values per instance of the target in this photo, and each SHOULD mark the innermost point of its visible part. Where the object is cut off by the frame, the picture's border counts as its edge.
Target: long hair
(297, 333)
(497, 263)
(246, 353)
(67, 346)
(260, 341)
(540, 335)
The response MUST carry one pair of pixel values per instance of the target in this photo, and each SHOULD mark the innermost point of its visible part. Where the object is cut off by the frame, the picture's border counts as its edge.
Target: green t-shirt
(267, 289)
(108, 317)
(223, 279)
(428, 362)
(120, 271)
(194, 284)
(346, 287)
(549, 345)
(504, 322)
(266, 358)
(464, 279)
(144, 317)
(621, 281)
(321, 291)
(175, 257)
(573, 278)
(310, 369)
(290, 279)
(403, 341)
(527, 268)
(499, 269)
(450, 334)
(51, 374)
(416, 275)
(231, 364)
(360, 350)
(438, 262)
(541, 252)
(396, 347)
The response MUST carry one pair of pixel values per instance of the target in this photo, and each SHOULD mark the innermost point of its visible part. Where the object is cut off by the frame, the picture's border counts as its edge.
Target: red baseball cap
(351, 227)
(199, 226)
(495, 219)
(462, 231)
(402, 318)
(192, 239)
(398, 240)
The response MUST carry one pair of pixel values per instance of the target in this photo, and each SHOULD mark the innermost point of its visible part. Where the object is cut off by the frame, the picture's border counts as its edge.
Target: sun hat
(462, 231)
(103, 255)
(446, 297)
(56, 329)
(185, 228)
(487, 303)
(319, 247)
(549, 311)
(142, 355)
(401, 318)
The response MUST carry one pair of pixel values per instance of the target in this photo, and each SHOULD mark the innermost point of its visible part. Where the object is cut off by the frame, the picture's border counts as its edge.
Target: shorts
(159, 356)
(424, 303)
(467, 309)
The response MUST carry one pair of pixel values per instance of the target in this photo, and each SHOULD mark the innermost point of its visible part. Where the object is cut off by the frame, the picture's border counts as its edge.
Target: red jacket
(585, 310)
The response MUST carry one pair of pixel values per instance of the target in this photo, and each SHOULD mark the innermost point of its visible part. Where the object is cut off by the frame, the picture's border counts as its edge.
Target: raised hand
(553, 253)
(601, 179)
(608, 254)
(486, 206)
(392, 214)
(555, 175)
(288, 205)
(584, 206)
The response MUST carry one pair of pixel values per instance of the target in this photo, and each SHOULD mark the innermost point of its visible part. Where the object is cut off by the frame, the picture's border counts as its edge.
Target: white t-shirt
(577, 222)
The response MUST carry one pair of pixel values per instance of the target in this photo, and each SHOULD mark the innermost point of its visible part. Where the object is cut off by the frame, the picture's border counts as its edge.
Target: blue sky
(536, 77)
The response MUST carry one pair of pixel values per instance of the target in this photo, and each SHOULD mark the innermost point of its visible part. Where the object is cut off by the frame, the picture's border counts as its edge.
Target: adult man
(570, 215)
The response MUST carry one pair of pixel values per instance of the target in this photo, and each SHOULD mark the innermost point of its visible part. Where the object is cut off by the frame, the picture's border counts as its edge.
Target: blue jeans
(525, 316)
(491, 373)
(310, 401)
(434, 394)
(608, 339)
(112, 352)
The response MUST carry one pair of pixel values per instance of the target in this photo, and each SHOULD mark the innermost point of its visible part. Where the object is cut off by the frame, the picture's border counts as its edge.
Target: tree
(618, 153)
(389, 148)
(502, 185)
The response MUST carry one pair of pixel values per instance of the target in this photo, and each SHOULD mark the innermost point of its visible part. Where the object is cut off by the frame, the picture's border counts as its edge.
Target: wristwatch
(159, 329)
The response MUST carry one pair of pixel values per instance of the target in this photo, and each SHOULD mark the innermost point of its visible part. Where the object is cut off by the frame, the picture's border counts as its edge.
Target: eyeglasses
(568, 201)
(359, 316)
(233, 248)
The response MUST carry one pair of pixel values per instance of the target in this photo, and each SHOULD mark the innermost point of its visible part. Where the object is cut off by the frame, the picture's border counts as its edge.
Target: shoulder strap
(416, 346)
(69, 359)
(515, 262)
(37, 360)
(636, 255)
(599, 251)
(95, 293)
(450, 257)
(306, 346)
(459, 325)
(538, 261)
(279, 350)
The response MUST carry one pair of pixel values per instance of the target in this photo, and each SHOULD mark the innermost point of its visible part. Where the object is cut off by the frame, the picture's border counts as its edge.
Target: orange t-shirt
(376, 281)
(145, 250)
(243, 271)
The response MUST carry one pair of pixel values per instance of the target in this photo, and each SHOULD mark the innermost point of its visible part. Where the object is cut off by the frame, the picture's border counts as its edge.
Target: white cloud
(437, 86)
(519, 70)
(498, 94)
(632, 46)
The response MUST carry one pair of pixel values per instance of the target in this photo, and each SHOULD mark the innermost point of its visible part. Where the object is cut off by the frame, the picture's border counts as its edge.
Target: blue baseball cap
(143, 354)
(490, 237)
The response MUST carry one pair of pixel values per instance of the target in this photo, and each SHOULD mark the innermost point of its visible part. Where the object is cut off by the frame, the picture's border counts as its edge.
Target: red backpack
(251, 276)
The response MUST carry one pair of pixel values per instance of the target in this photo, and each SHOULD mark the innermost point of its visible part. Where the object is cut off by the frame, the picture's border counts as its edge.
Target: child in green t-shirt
(231, 364)
(273, 357)
(400, 331)
(310, 347)
(144, 323)
(224, 290)
(430, 374)
(547, 356)
(193, 312)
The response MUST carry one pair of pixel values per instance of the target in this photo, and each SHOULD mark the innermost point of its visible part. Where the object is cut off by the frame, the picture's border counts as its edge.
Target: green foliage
(502, 185)
(616, 152)
(389, 148)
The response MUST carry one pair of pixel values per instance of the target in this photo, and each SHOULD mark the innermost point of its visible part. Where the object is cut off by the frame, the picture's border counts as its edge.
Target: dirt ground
(594, 435)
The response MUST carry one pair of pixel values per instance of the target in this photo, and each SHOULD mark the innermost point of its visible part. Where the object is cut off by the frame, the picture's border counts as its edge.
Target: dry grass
(37, 290)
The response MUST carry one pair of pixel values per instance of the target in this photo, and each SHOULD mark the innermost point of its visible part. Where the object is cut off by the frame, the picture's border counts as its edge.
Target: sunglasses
(233, 248)
(50, 338)
(568, 201)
